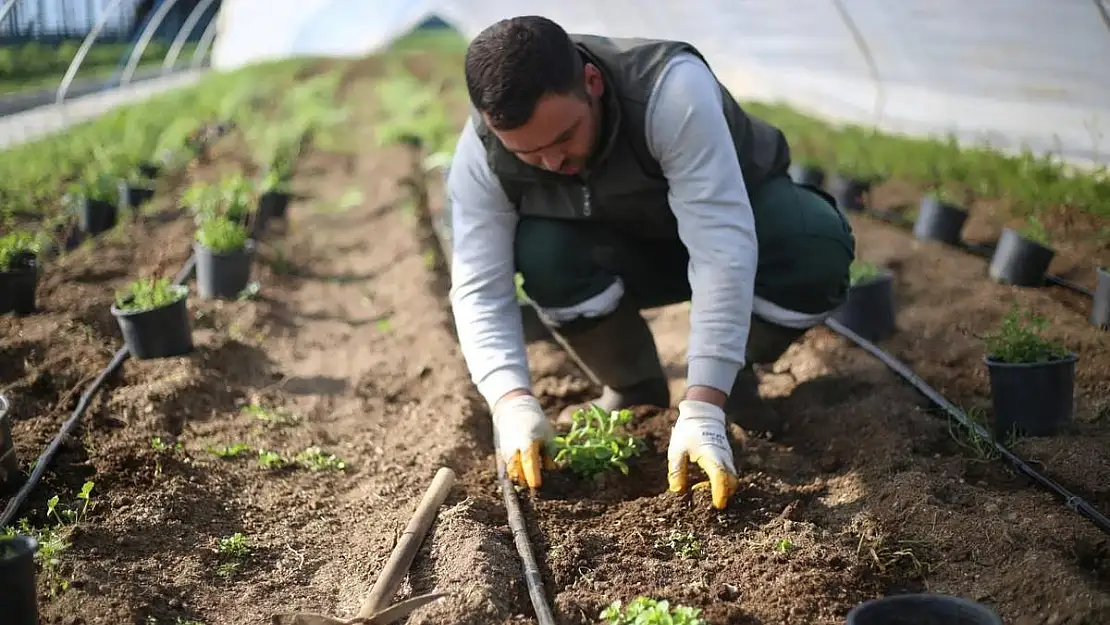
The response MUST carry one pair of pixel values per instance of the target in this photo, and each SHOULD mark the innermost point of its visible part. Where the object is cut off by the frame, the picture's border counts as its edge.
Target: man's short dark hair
(512, 64)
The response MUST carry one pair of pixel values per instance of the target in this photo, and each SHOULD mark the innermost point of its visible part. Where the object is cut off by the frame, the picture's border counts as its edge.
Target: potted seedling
(869, 309)
(17, 579)
(940, 217)
(808, 171)
(18, 272)
(1032, 379)
(135, 189)
(922, 609)
(154, 318)
(96, 197)
(1100, 304)
(1023, 256)
(224, 253)
(11, 477)
(276, 192)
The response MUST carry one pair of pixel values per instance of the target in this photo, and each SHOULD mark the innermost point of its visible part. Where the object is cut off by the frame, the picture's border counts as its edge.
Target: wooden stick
(403, 554)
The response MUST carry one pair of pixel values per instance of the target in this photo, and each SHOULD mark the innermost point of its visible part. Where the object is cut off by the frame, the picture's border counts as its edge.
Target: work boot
(620, 351)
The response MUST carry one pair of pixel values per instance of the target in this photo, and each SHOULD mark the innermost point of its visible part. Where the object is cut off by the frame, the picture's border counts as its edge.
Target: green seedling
(1018, 340)
(274, 417)
(222, 235)
(683, 544)
(315, 459)
(54, 539)
(647, 611)
(862, 272)
(234, 551)
(15, 244)
(384, 325)
(595, 443)
(271, 460)
(229, 451)
(149, 293)
(784, 545)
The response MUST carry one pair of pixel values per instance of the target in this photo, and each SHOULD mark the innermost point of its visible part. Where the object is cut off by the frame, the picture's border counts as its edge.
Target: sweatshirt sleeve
(688, 134)
(483, 291)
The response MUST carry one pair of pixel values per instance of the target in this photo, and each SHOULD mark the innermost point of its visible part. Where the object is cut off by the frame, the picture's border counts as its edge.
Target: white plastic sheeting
(1007, 72)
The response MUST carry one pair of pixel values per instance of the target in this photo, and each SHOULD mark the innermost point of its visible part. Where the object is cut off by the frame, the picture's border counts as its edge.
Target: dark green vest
(625, 186)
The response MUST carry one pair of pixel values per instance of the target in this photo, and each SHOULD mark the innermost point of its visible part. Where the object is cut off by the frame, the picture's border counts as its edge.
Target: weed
(862, 272)
(234, 551)
(149, 293)
(784, 545)
(14, 245)
(647, 611)
(54, 539)
(222, 235)
(594, 443)
(316, 459)
(1018, 340)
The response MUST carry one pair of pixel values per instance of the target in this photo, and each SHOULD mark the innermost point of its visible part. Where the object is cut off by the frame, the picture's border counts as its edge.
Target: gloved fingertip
(530, 464)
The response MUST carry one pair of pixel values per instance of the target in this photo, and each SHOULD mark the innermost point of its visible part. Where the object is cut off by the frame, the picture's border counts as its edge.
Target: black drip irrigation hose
(981, 250)
(121, 355)
(1072, 501)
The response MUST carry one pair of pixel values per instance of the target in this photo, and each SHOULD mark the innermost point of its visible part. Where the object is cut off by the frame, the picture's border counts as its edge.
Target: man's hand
(521, 433)
(699, 437)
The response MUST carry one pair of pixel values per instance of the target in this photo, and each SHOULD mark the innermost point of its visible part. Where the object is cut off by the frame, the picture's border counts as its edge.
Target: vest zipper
(586, 208)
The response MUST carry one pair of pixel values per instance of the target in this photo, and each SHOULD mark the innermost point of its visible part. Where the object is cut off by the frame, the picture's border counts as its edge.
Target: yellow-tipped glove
(522, 434)
(699, 436)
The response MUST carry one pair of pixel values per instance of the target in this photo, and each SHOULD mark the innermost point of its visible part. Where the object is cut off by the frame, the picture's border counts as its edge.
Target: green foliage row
(1031, 182)
(32, 61)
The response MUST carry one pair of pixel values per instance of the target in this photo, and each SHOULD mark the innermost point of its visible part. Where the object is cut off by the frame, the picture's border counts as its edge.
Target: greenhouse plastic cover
(1008, 72)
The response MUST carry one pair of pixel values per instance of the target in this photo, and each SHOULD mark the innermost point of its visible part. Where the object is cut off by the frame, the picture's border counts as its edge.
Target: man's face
(563, 130)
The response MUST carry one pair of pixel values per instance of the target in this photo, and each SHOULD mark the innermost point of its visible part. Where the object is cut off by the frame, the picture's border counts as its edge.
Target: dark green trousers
(805, 249)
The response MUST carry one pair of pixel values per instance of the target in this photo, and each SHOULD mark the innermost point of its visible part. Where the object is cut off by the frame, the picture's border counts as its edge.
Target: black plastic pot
(807, 174)
(939, 221)
(1100, 304)
(869, 310)
(96, 216)
(273, 204)
(157, 333)
(1032, 399)
(17, 580)
(1020, 261)
(849, 193)
(132, 195)
(149, 170)
(11, 478)
(223, 276)
(19, 284)
(922, 609)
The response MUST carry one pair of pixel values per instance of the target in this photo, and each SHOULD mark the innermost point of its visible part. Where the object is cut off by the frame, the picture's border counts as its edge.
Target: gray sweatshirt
(687, 134)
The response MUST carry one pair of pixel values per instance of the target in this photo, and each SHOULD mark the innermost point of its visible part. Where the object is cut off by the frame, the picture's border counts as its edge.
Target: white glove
(699, 436)
(522, 434)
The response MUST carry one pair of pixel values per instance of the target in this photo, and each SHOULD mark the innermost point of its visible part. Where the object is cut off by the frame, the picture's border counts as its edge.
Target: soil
(861, 491)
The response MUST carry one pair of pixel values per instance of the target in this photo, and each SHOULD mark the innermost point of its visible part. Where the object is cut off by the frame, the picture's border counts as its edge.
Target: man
(618, 175)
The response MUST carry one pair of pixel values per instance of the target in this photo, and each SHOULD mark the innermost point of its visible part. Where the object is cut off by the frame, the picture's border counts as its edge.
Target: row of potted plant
(1032, 378)
(1021, 257)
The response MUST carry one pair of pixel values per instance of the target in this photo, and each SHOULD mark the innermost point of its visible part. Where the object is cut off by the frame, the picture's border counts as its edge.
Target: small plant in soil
(648, 611)
(682, 544)
(54, 539)
(862, 271)
(784, 545)
(234, 551)
(229, 451)
(315, 459)
(271, 460)
(1018, 340)
(596, 444)
(222, 235)
(148, 293)
(275, 417)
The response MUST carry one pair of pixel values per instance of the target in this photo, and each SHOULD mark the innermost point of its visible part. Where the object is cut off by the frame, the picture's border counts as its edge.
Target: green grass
(1030, 183)
(34, 66)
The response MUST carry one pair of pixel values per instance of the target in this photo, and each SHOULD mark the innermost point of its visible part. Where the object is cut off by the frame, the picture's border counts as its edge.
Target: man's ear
(594, 81)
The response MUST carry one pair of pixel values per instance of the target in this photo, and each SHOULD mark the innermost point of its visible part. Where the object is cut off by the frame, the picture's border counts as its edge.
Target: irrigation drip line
(982, 250)
(1072, 501)
(532, 575)
(47, 456)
